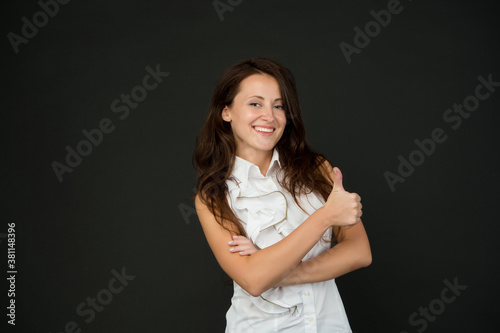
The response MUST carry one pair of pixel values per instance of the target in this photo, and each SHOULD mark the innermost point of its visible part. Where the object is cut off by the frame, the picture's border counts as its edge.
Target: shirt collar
(244, 170)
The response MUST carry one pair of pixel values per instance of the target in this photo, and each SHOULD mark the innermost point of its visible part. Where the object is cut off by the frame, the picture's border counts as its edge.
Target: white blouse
(269, 214)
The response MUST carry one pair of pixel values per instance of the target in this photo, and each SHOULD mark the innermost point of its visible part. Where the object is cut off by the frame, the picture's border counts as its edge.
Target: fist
(343, 208)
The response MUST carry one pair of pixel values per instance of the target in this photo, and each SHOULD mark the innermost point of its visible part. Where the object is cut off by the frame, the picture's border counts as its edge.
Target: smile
(263, 129)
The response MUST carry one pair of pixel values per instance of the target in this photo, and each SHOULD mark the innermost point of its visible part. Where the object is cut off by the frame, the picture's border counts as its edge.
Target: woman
(270, 207)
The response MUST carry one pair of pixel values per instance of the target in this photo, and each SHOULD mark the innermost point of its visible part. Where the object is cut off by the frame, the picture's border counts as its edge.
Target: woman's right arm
(265, 268)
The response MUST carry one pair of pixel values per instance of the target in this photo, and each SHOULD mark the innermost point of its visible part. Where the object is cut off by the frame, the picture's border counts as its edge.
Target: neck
(261, 159)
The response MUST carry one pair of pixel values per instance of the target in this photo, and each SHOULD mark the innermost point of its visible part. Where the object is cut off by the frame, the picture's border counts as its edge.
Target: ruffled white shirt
(269, 214)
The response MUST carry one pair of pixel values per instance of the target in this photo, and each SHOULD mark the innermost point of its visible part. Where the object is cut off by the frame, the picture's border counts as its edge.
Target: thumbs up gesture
(344, 208)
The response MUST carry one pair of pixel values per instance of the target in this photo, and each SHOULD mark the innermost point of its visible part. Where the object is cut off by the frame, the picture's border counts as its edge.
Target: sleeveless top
(268, 214)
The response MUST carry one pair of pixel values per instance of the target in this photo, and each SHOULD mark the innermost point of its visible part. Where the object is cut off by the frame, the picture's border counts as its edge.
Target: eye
(254, 104)
(279, 107)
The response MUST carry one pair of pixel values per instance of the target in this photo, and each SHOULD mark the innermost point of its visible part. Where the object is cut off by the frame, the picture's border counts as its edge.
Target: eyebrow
(262, 98)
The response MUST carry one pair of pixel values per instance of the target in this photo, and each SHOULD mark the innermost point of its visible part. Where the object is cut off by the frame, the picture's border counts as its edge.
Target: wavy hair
(214, 155)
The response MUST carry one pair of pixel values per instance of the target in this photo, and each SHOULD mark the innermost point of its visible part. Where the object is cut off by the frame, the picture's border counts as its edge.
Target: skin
(258, 102)
(351, 252)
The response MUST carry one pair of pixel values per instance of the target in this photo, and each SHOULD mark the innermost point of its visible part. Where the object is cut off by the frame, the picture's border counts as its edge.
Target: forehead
(259, 84)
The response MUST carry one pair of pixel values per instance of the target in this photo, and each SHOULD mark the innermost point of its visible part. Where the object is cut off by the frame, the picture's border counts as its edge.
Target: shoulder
(202, 206)
(198, 203)
(205, 216)
(214, 225)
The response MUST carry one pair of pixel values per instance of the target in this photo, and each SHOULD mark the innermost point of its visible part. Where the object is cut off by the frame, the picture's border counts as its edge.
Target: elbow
(254, 290)
(254, 280)
(255, 287)
(365, 259)
(361, 262)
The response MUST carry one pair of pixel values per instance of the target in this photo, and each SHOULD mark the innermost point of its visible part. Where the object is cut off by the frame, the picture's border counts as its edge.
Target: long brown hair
(214, 155)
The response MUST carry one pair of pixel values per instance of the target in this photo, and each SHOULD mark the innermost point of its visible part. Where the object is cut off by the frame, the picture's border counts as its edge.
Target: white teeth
(262, 129)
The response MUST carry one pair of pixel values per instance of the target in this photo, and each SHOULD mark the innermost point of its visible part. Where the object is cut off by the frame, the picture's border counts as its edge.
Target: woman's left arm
(351, 252)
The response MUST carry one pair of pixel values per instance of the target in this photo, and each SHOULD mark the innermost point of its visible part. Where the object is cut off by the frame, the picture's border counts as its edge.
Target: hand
(242, 245)
(344, 208)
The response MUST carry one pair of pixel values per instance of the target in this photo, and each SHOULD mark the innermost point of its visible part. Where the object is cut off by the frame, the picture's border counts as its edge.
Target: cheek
(239, 118)
(282, 119)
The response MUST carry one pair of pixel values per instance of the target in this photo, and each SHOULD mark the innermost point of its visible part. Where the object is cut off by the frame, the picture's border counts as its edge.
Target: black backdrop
(115, 244)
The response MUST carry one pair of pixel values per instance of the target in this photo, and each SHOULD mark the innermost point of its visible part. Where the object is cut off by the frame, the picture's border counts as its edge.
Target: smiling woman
(267, 202)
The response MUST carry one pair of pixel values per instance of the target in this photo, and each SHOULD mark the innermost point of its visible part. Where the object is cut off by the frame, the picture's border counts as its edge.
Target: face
(257, 117)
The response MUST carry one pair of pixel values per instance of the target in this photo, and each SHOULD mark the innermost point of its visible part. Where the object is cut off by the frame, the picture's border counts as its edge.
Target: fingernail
(230, 242)
(234, 237)
(231, 249)
(241, 252)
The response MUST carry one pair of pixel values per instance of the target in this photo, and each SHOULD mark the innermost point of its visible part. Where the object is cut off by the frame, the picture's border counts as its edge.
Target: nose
(268, 112)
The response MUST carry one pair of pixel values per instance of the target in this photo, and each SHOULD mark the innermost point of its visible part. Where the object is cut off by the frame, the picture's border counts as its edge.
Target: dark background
(127, 204)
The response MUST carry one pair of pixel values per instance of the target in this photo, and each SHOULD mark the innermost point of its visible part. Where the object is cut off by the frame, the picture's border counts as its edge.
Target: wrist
(325, 218)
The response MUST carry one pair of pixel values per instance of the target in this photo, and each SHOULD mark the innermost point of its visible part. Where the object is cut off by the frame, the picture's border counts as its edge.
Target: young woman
(270, 206)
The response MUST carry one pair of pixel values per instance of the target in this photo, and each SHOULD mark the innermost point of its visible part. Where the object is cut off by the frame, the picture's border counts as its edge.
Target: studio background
(124, 209)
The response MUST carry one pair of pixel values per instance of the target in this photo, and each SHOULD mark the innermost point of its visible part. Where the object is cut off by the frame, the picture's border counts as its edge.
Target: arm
(265, 268)
(351, 252)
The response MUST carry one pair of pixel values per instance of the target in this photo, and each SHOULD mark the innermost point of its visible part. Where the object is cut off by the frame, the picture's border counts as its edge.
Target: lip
(264, 126)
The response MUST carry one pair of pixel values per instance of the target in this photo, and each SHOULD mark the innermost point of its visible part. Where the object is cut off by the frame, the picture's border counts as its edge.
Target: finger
(238, 248)
(337, 180)
(236, 240)
(239, 242)
(248, 252)
(241, 253)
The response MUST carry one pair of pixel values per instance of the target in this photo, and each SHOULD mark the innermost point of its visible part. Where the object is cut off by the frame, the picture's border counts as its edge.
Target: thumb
(337, 180)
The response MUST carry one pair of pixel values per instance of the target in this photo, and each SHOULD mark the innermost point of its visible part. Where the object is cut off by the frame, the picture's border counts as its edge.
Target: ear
(225, 114)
